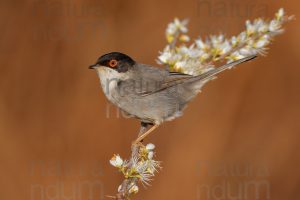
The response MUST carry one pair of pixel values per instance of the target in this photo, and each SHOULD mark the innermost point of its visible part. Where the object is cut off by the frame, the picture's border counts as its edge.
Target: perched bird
(148, 93)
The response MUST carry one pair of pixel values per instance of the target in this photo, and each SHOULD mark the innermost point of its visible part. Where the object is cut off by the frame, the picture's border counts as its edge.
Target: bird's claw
(137, 143)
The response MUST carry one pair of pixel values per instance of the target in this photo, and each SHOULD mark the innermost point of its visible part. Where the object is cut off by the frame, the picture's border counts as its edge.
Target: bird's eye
(113, 63)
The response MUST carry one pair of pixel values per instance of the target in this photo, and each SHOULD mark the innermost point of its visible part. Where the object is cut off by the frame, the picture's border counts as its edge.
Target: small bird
(150, 94)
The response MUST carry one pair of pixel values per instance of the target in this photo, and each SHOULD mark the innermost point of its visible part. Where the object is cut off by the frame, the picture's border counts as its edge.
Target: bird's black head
(114, 60)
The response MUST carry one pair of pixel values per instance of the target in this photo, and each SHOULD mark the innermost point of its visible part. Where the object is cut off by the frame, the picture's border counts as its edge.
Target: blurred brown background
(57, 131)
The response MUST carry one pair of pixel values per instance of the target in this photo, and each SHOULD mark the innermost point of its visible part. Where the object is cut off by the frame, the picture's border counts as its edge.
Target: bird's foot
(137, 143)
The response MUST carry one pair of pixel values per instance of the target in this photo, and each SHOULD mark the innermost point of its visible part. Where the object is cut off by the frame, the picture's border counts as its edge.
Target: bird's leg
(137, 145)
(143, 128)
(142, 136)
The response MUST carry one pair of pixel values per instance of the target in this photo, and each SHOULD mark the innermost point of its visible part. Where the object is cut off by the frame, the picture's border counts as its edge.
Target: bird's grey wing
(142, 79)
(174, 79)
(150, 80)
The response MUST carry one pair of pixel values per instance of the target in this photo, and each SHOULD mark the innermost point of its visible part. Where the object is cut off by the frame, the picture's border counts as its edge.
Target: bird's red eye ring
(113, 63)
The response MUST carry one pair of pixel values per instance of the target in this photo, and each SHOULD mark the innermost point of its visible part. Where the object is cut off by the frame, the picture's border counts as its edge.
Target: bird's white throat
(109, 79)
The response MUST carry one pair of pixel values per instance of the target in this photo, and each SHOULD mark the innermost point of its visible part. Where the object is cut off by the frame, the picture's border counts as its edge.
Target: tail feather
(213, 72)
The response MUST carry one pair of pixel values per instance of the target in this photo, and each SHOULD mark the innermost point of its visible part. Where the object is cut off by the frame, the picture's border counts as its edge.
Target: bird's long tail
(213, 72)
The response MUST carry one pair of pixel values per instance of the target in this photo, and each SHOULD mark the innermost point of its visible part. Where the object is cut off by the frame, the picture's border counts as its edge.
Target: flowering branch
(201, 55)
(141, 167)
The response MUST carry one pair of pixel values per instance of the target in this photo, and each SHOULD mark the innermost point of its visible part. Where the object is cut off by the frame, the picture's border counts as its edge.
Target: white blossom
(263, 41)
(134, 189)
(181, 25)
(184, 38)
(242, 37)
(235, 56)
(225, 47)
(165, 56)
(200, 44)
(234, 41)
(279, 15)
(177, 29)
(248, 51)
(120, 188)
(116, 161)
(275, 26)
(150, 155)
(150, 147)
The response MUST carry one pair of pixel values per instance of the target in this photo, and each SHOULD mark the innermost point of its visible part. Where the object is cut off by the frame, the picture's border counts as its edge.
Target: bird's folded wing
(171, 80)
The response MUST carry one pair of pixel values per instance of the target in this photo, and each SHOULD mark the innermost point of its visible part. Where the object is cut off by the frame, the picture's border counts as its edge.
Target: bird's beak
(93, 66)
